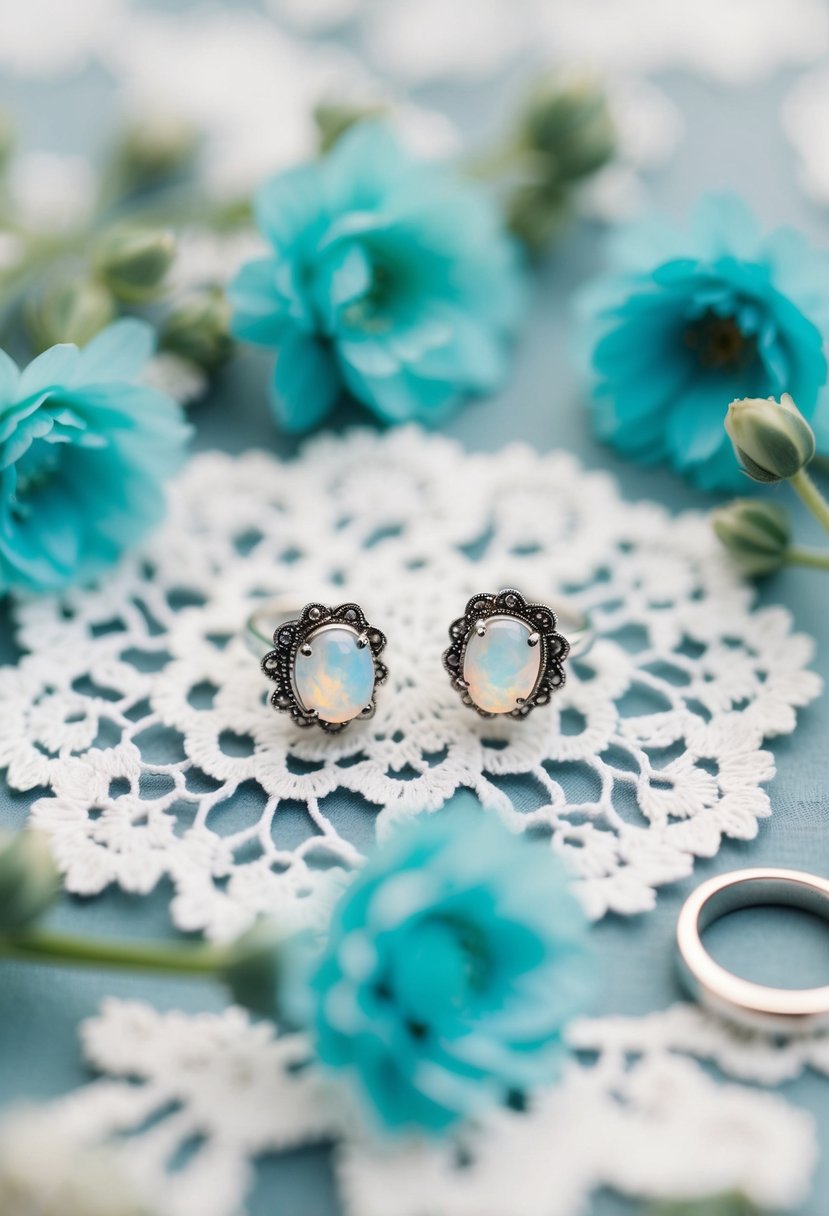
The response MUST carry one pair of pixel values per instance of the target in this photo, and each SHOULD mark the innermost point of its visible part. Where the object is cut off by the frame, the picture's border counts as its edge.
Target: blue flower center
(718, 342)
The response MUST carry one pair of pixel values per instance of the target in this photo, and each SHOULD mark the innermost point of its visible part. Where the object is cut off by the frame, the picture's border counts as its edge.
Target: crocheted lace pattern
(140, 710)
(636, 1112)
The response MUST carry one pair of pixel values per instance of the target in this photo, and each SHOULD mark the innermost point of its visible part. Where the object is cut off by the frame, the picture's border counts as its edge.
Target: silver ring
(791, 1010)
(263, 622)
(506, 654)
(324, 660)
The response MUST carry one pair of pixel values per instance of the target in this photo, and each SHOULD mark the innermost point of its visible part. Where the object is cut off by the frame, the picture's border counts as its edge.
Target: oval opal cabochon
(337, 678)
(501, 667)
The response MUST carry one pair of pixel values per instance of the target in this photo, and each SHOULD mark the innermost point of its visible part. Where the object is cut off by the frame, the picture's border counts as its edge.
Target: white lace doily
(635, 1112)
(141, 709)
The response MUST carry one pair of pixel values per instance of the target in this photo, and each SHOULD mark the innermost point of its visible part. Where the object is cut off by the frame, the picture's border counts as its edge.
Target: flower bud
(756, 535)
(772, 440)
(156, 148)
(29, 881)
(134, 261)
(536, 212)
(199, 329)
(568, 121)
(69, 309)
(565, 134)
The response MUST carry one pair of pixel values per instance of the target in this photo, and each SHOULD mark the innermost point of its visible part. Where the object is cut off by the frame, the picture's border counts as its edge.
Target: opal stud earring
(506, 655)
(323, 660)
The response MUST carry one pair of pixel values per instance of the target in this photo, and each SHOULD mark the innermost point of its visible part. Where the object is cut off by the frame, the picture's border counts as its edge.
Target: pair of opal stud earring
(505, 656)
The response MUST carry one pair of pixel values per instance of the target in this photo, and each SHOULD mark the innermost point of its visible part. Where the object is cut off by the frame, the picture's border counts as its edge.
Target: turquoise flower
(389, 278)
(453, 962)
(84, 452)
(686, 321)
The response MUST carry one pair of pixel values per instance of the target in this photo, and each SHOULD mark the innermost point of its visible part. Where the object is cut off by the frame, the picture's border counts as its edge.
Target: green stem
(798, 556)
(47, 947)
(803, 485)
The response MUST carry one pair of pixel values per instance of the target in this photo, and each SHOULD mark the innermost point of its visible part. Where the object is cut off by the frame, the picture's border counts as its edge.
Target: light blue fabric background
(733, 139)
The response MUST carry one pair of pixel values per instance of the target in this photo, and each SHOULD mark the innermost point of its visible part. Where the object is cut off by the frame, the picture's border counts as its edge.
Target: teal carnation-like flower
(84, 452)
(453, 963)
(686, 321)
(389, 278)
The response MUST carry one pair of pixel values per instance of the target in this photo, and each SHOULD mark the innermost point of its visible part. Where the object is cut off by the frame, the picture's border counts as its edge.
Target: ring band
(574, 623)
(790, 1010)
(264, 621)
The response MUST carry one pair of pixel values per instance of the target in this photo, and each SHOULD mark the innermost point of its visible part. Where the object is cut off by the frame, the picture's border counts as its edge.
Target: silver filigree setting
(541, 622)
(294, 636)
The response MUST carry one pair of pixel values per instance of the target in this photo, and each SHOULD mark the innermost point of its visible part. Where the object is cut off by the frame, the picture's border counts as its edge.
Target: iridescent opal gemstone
(337, 677)
(501, 668)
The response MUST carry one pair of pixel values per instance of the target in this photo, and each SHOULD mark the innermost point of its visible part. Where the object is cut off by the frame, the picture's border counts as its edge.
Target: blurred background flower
(565, 134)
(84, 452)
(684, 321)
(390, 278)
(451, 967)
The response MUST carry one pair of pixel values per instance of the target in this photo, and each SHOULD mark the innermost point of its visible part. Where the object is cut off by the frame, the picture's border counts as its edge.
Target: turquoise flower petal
(364, 167)
(36, 426)
(289, 209)
(685, 322)
(84, 455)
(306, 384)
(56, 367)
(452, 965)
(119, 352)
(399, 275)
(253, 295)
(723, 225)
(695, 431)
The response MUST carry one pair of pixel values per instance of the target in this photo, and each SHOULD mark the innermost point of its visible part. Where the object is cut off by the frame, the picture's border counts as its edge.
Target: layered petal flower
(84, 453)
(389, 278)
(685, 321)
(452, 965)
